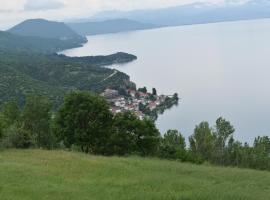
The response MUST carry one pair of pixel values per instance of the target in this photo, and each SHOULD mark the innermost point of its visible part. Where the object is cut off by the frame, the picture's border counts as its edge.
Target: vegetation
(52, 75)
(60, 175)
(85, 123)
(16, 43)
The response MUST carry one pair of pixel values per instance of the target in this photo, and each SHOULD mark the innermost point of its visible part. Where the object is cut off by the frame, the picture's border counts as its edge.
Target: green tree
(173, 145)
(154, 91)
(122, 139)
(147, 137)
(36, 119)
(261, 151)
(17, 137)
(143, 90)
(85, 120)
(132, 135)
(223, 131)
(201, 142)
(2, 125)
(11, 112)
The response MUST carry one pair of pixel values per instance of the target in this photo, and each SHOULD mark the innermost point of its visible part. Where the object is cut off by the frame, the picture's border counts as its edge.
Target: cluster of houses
(132, 101)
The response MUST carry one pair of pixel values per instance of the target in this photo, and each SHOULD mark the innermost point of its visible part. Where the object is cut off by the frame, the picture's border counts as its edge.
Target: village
(141, 102)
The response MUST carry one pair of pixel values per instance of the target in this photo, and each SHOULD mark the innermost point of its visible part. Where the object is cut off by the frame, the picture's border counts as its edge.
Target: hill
(58, 175)
(47, 29)
(195, 13)
(28, 64)
(108, 26)
(52, 75)
(12, 42)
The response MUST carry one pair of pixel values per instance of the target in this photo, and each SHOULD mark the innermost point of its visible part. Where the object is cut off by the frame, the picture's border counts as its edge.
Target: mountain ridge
(108, 26)
(47, 29)
(195, 13)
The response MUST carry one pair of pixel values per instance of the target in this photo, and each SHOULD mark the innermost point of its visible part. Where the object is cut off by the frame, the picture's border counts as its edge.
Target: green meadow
(60, 175)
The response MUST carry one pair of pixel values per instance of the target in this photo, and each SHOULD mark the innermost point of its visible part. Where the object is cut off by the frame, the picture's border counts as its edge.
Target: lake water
(218, 69)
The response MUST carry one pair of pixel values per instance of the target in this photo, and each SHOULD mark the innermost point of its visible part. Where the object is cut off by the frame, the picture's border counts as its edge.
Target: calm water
(218, 70)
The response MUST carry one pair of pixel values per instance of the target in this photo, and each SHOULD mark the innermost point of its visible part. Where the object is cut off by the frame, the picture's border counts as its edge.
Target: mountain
(47, 29)
(11, 42)
(196, 13)
(108, 26)
(25, 69)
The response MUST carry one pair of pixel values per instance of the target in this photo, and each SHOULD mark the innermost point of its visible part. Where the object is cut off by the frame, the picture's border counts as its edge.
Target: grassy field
(58, 175)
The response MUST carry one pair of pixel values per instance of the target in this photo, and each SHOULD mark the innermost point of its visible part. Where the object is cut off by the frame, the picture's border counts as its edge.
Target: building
(110, 94)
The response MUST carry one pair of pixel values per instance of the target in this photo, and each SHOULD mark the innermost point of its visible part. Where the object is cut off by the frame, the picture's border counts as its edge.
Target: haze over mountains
(194, 13)
(119, 21)
(109, 26)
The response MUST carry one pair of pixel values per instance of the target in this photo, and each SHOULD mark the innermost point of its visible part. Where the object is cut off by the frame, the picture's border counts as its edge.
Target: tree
(147, 137)
(173, 145)
(201, 142)
(223, 131)
(11, 112)
(132, 135)
(122, 139)
(36, 119)
(143, 90)
(2, 126)
(154, 91)
(85, 120)
(261, 151)
(17, 137)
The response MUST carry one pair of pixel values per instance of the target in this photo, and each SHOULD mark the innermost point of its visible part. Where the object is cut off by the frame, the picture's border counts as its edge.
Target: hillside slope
(12, 42)
(57, 175)
(53, 75)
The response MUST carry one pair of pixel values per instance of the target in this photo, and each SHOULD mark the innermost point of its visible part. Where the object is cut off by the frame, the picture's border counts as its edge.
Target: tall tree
(85, 120)
(201, 142)
(173, 145)
(147, 137)
(36, 118)
(154, 91)
(223, 131)
(122, 140)
(11, 112)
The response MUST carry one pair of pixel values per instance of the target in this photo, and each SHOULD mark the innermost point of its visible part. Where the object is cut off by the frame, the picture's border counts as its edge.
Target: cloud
(41, 5)
(5, 10)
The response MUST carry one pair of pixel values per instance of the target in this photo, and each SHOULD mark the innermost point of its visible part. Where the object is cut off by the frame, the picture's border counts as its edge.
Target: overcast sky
(15, 11)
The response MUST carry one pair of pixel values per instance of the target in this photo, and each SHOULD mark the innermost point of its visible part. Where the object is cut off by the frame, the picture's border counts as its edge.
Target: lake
(220, 69)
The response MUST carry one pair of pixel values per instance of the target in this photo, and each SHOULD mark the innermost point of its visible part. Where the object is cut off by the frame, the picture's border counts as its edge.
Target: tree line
(84, 123)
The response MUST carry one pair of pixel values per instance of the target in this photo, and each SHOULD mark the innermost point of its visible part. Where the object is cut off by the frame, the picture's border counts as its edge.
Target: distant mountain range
(109, 26)
(120, 21)
(196, 13)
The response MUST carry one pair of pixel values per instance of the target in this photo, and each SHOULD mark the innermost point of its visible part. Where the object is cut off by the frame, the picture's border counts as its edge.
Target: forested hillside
(29, 65)
(12, 42)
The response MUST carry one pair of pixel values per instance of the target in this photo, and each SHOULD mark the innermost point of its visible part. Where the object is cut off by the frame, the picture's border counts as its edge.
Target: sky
(15, 11)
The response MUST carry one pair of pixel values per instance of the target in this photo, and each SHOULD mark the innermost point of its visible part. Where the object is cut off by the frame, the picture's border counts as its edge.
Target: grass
(59, 175)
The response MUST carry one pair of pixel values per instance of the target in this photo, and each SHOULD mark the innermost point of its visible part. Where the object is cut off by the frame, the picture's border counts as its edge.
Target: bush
(15, 137)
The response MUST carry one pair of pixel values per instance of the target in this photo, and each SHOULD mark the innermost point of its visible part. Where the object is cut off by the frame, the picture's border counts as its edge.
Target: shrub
(15, 137)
